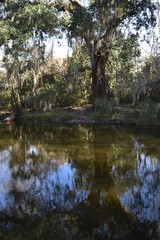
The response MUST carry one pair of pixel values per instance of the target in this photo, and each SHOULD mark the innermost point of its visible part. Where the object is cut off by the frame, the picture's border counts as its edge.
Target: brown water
(79, 183)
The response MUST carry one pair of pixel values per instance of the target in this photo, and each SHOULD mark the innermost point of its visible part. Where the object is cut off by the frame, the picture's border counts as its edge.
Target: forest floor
(122, 115)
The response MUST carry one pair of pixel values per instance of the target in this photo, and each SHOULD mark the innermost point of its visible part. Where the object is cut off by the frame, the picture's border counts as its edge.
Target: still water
(79, 183)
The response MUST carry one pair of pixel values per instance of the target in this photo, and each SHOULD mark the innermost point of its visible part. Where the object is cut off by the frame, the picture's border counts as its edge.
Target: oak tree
(96, 22)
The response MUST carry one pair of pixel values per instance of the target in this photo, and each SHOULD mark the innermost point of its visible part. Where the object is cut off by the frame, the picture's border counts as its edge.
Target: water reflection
(79, 183)
(146, 191)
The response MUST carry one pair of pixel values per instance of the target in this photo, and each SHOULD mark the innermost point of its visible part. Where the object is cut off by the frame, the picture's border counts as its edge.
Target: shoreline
(79, 116)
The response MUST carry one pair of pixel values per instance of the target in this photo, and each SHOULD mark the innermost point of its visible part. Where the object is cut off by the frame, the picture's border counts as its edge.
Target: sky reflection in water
(144, 198)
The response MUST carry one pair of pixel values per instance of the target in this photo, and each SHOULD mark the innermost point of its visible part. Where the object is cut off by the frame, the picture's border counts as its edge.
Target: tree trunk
(100, 86)
(15, 102)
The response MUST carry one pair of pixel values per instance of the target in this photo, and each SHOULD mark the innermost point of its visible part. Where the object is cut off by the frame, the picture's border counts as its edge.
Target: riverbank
(122, 115)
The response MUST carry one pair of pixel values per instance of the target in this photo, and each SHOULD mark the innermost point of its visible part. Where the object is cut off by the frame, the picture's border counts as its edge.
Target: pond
(79, 183)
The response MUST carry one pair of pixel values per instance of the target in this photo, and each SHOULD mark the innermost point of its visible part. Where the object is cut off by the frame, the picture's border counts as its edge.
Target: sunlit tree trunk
(35, 80)
(15, 101)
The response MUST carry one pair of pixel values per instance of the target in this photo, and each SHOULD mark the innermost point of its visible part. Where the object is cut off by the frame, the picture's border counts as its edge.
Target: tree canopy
(96, 25)
(20, 20)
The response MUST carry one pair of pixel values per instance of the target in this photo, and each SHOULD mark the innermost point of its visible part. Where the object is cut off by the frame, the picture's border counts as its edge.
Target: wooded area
(106, 68)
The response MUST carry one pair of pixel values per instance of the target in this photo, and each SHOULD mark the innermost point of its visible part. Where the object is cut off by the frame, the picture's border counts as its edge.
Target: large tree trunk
(100, 86)
(99, 56)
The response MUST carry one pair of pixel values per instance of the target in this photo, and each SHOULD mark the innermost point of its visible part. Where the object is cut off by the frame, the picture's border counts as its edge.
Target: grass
(46, 116)
(56, 115)
(142, 114)
(67, 117)
(97, 115)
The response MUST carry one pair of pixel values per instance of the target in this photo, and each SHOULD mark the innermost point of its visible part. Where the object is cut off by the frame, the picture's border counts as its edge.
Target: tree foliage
(21, 20)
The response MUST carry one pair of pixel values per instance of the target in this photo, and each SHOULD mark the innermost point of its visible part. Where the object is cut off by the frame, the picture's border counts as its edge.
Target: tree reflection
(79, 183)
(103, 213)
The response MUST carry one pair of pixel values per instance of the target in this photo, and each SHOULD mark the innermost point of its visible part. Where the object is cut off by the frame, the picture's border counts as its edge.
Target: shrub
(5, 100)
